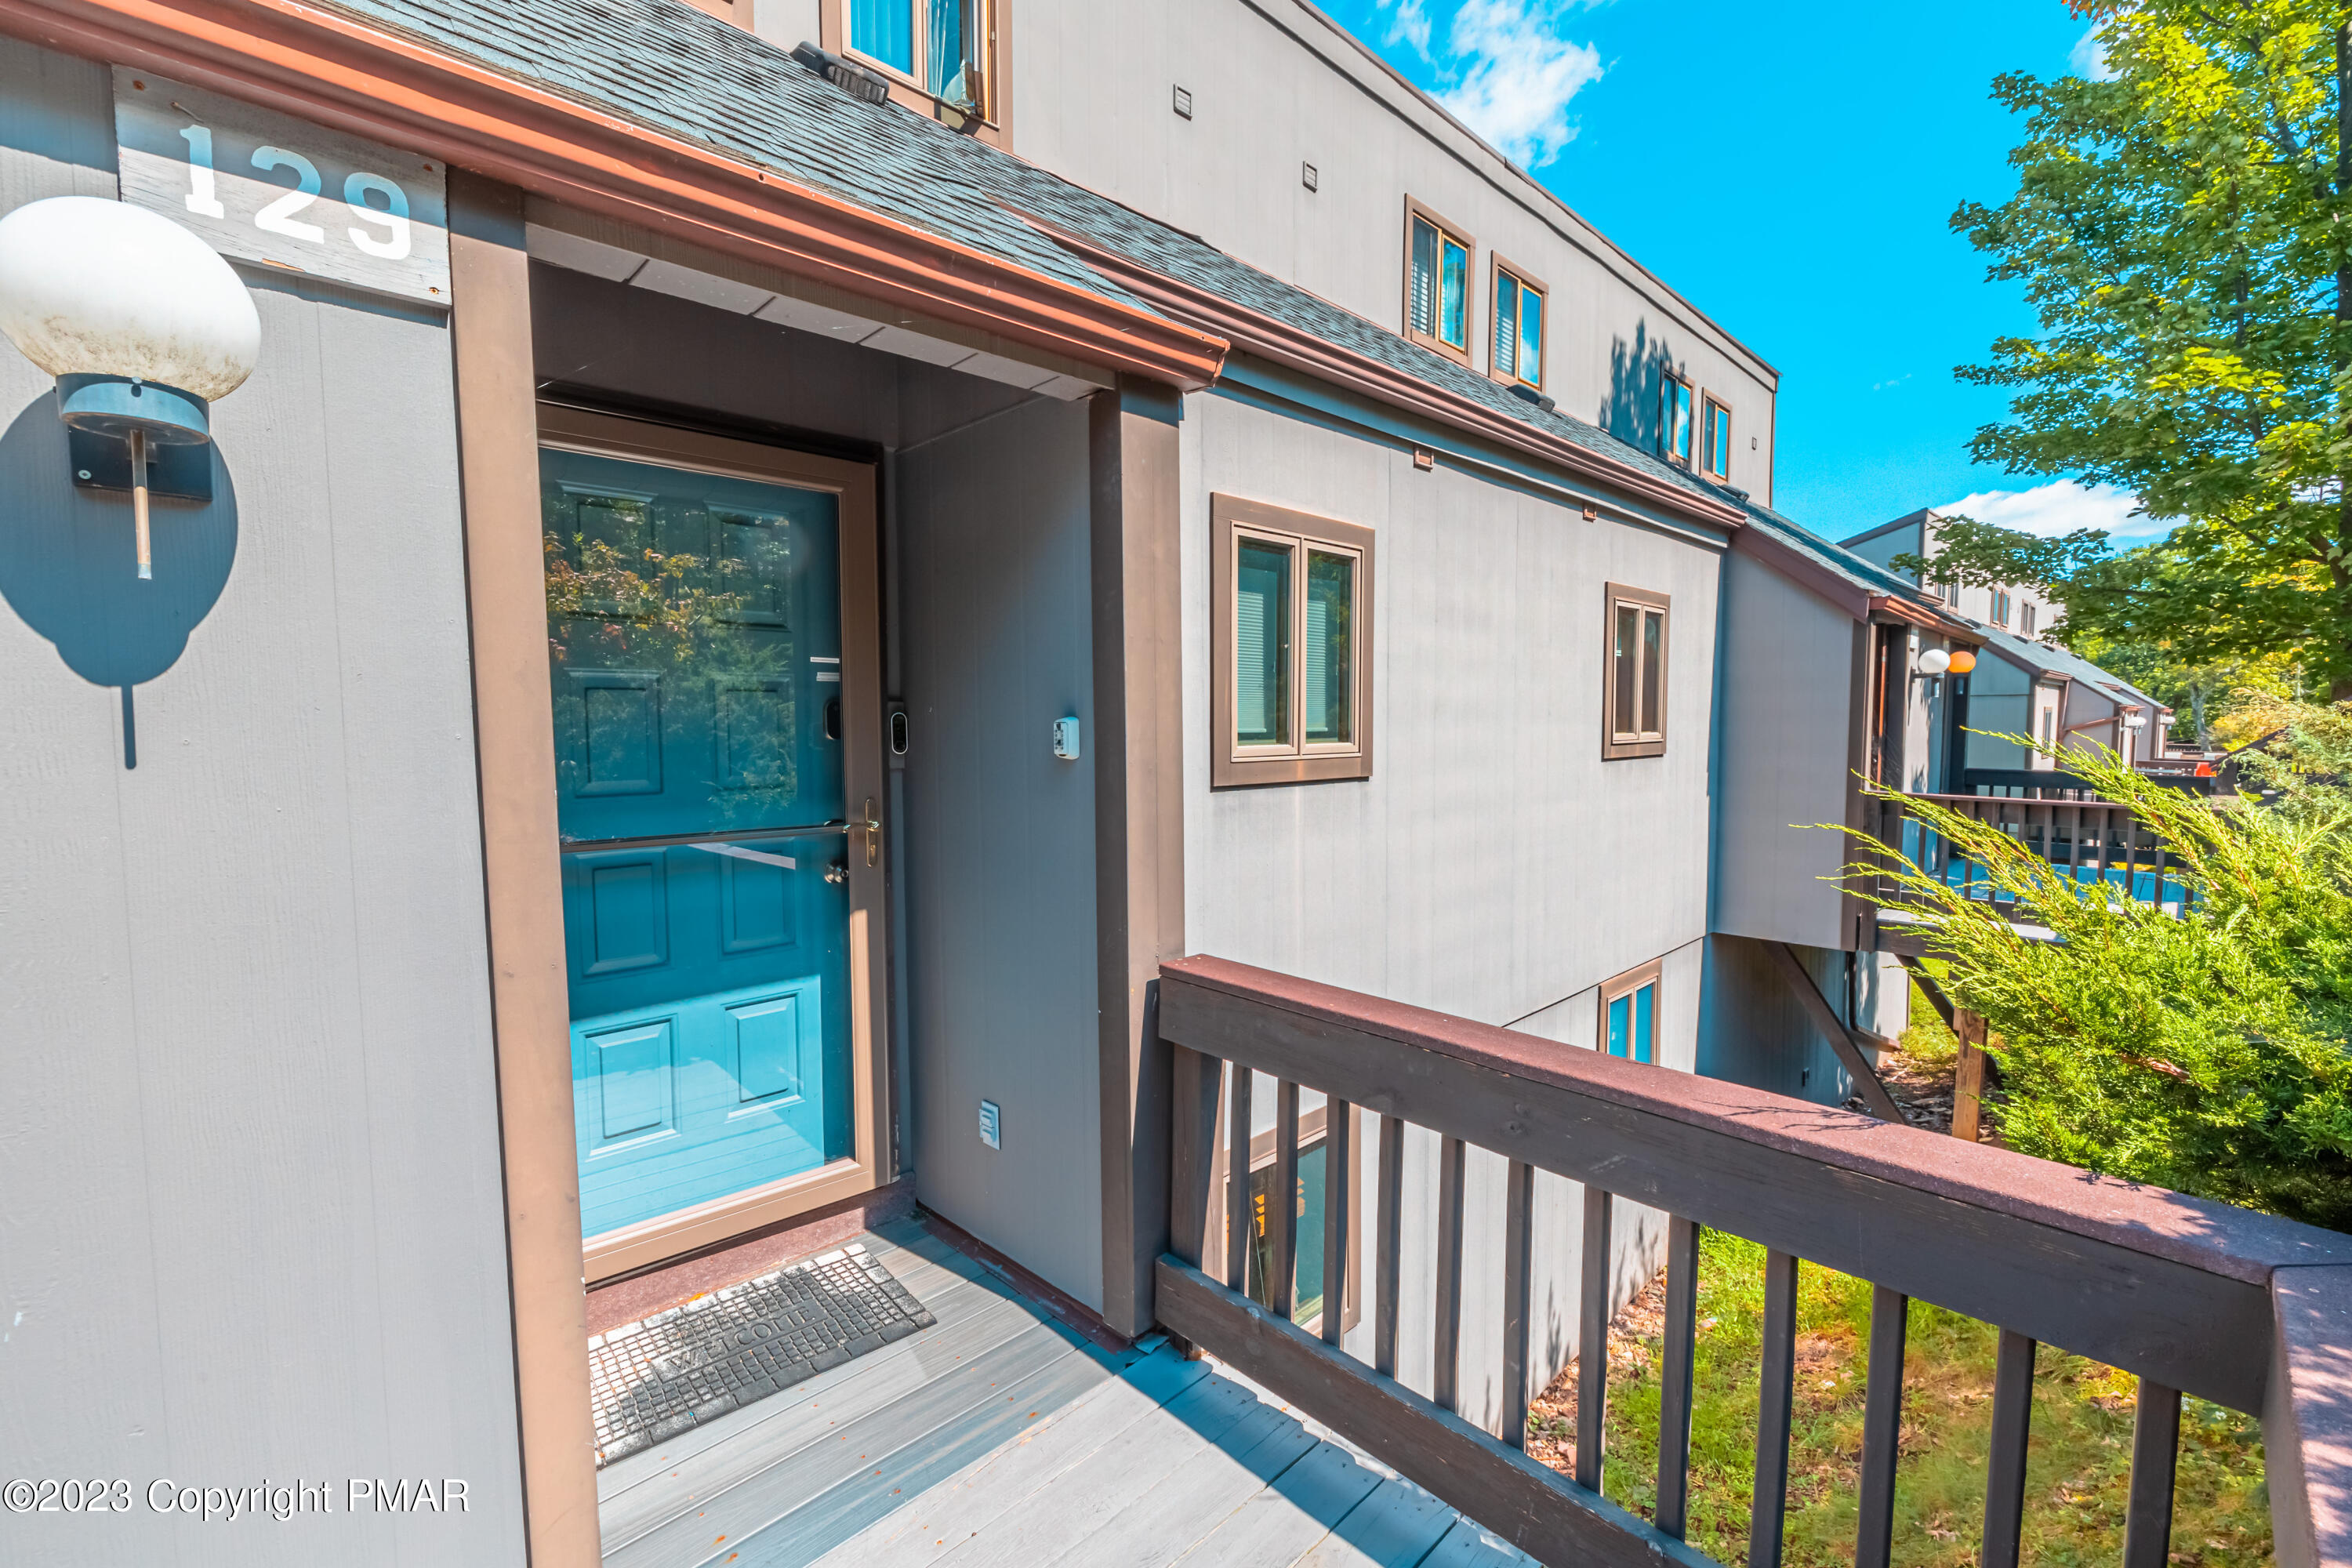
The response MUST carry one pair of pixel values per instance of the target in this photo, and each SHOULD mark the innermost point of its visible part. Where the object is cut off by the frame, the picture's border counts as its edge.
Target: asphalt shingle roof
(669, 67)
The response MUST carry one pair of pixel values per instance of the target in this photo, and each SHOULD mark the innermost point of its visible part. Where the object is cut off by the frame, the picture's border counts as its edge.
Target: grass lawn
(2078, 1472)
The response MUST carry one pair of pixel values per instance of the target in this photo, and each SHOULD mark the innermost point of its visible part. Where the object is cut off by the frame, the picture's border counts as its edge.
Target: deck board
(1283, 1521)
(1038, 1526)
(778, 1478)
(999, 1438)
(966, 1519)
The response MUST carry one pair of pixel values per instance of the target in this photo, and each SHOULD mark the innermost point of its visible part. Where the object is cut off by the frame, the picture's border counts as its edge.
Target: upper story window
(940, 46)
(1715, 436)
(1437, 282)
(2027, 614)
(1291, 614)
(1519, 327)
(1675, 419)
(2000, 606)
(1629, 1014)
(1635, 704)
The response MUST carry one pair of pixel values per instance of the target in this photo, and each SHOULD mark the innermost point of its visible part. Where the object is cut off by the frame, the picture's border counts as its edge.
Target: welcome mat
(649, 1381)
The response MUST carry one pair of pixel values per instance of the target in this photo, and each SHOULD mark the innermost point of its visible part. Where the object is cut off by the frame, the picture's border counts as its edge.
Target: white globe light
(1933, 662)
(91, 286)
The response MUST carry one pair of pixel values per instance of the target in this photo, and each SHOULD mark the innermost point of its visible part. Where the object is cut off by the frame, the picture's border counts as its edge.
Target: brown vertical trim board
(498, 469)
(1969, 1076)
(1139, 818)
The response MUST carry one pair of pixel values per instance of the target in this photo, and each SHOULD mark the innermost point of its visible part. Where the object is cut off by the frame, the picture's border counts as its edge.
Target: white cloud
(2087, 59)
(2062, 507)
(1512, 73)
(1410, 25)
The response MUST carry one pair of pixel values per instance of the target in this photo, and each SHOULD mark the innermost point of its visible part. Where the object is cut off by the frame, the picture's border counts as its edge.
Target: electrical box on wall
(1066, 739)
(989, 1124)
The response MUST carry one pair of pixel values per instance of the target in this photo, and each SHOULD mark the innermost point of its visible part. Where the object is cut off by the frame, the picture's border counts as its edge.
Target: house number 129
(392, 244)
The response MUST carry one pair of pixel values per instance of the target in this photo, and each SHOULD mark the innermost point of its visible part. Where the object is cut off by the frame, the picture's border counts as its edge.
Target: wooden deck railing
(2249, 1311)
(2096, 840)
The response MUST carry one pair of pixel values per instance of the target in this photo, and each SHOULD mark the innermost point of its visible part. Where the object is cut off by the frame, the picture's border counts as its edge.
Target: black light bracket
(102, 462)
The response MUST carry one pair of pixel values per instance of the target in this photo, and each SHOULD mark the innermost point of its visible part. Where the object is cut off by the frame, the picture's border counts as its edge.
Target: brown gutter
(1804, 571)
(1272, 339)
(338, 72)
(1888, 606)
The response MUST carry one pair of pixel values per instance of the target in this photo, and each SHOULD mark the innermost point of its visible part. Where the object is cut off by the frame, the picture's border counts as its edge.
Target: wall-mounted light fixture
(142, 323)
(1932, 661)
(1963, 660)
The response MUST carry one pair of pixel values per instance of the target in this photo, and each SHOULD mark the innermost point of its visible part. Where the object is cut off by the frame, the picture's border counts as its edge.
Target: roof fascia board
(1910, 519)
(338, 71)
(1298, 348)
(1297, 395)
(1887, 607)
(1584, 236)
(1803, 571)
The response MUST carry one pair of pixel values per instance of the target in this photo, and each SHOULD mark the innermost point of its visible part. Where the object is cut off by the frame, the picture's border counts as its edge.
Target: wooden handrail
(2247, 1309)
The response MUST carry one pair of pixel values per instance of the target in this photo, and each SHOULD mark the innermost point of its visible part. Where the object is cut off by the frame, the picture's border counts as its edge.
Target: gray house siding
(1493, 866)
(1274, 86)
(1000, 838)
(1788, 709)
(250, 1141)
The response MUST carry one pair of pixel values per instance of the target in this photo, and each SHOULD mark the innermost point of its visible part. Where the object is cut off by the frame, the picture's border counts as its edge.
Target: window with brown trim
(1518, 326)
(1628, 1026)
(1291, 662)
(1437, 282)
(2026, 617)
(1675, 419)
(2000, 606)
(1715, 441)
(1308, 1198)
(944, 49)
(1633, 703)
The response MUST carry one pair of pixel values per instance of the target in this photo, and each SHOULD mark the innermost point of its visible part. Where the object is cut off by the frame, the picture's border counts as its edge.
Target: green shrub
(2209, 1051)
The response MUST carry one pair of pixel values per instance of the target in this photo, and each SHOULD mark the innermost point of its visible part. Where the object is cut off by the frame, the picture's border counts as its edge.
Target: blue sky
(1790, 170)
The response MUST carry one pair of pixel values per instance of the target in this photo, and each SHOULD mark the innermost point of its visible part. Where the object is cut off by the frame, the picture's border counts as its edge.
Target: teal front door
(695, 625)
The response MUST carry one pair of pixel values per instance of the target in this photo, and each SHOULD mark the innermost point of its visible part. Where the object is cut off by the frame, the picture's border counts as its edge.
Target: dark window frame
(1712, 409)
(1627, 984)
(1667, 381)
(1232, 765)
(1621, 739)
(1314, 1130)
(1420, 212)
(1527, 283)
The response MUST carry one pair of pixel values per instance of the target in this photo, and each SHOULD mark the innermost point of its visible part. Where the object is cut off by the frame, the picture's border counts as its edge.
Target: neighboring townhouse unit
(2013, 608)
(763, 638)
(1824, 691)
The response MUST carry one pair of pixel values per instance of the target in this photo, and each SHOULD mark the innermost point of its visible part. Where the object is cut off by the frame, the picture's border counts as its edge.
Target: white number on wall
(393, 215)
(203, 199)
(278, 217)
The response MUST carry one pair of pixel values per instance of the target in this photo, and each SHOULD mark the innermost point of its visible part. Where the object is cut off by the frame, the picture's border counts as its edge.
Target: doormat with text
(649, 1381)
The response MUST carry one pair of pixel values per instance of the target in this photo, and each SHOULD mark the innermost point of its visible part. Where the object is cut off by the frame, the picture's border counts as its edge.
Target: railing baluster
(1445, 1335)
(1882, 1426)
(1338, 1167)
(1387, 1246)
(1775, 1396)
(2012, 1421)
(1675, 1376)
(1237, 1178)
(1192, 1209)
(1281, 1202)
(1519, 1248)
(1592, 1338)
(2155, 1451)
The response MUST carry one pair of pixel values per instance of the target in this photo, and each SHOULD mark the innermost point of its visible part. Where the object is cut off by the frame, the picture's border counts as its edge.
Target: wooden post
(1969, 1076)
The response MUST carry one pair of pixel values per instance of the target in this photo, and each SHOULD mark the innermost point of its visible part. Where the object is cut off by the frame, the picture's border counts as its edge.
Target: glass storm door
(695, 639)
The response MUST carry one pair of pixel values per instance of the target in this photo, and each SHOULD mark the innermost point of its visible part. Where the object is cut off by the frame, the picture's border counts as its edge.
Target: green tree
(2181, 230)
(2208, 1049)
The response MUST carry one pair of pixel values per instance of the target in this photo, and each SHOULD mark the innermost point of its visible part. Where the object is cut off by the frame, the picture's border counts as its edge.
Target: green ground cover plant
(2077, 1478)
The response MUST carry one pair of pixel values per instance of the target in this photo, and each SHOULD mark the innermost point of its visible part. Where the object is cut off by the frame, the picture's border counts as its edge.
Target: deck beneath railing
(1001, 1436)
